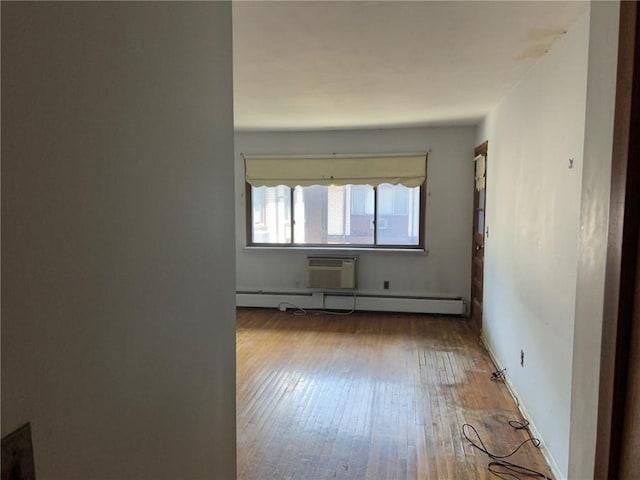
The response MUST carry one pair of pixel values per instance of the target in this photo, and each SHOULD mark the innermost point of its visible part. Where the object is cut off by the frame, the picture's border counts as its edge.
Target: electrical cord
(298, 311)
(499, 466)
(498, 375)
(301, 311)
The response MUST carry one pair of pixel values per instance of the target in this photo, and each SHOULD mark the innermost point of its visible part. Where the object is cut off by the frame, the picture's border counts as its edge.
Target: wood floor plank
(367, 396)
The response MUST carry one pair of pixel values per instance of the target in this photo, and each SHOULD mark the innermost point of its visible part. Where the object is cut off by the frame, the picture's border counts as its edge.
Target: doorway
(479, 230)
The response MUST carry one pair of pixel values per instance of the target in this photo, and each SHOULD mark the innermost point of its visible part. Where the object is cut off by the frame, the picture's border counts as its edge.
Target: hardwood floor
(368, 396)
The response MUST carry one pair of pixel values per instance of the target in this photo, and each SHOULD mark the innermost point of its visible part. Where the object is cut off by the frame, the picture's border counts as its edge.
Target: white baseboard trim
(346, 301)
(523, 410)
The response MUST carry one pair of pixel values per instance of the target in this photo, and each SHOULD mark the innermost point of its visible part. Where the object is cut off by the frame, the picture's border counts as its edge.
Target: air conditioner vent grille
(331, 272)
(325, 262)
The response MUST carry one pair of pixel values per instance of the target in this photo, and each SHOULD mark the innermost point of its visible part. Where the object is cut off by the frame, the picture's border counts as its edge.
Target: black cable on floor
(499, 466)
(498, 375)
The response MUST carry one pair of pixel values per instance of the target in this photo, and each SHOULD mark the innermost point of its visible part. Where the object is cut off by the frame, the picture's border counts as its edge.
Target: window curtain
(409, 170)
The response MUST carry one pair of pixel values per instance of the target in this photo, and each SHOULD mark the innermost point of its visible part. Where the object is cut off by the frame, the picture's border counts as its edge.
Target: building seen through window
(354, 215)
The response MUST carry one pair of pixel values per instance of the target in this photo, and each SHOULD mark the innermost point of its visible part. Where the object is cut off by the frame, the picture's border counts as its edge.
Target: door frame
(476, 317)
(620, 316)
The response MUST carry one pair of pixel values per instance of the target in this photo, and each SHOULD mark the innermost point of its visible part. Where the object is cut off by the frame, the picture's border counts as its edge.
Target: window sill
(338, 250)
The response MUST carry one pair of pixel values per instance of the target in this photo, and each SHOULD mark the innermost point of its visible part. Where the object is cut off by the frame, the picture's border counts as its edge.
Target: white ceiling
(349, 64)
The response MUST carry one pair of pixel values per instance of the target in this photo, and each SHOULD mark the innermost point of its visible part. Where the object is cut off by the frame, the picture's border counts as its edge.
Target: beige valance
(408, 169)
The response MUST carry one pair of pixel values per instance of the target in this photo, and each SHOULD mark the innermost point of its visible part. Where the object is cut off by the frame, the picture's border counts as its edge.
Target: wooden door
(479, 229)
(630, 442)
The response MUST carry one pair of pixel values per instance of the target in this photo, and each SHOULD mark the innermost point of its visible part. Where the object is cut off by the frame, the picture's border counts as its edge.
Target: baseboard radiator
(331, 283)
(345, 301)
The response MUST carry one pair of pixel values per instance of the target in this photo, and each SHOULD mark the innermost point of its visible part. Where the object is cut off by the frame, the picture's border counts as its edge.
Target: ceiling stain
(542, 39)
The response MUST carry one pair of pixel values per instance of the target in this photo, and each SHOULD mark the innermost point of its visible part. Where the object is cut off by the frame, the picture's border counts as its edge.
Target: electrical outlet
(385, 284)
(522, 358)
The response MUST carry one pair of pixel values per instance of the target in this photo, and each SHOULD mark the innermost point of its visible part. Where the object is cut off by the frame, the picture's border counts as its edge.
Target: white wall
(444, 272)
(117, 270)
(593, 238)
(533, 215)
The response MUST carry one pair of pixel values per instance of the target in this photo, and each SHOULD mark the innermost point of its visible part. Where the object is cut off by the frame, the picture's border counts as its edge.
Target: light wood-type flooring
(368, 396)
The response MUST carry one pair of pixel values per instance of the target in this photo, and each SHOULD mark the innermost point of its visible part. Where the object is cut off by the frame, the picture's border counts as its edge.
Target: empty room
(318, 240)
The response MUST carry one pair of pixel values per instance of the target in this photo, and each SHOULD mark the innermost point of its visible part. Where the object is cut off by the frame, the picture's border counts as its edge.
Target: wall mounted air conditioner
(331, 272)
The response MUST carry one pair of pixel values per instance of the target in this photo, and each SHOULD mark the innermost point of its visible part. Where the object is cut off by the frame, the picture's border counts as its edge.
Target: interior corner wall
(535, 158)
(118, 306)
(594, 235)
(443, 272)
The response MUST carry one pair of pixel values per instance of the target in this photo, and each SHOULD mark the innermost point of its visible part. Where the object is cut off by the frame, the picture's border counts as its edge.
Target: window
(324, 214)
(271, 215)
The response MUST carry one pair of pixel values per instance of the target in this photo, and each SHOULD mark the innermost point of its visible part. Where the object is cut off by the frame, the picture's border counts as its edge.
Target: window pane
(333, 215)
(398, 221)
(271, 214)
(385, 199)
(401, 201)
(362, 199)
(358, 199)
(359, 221)
(481, 198)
